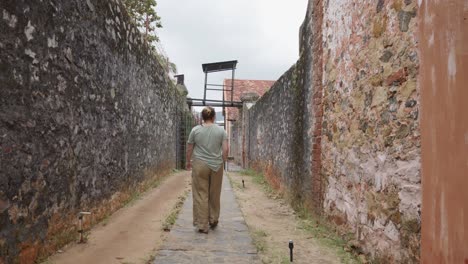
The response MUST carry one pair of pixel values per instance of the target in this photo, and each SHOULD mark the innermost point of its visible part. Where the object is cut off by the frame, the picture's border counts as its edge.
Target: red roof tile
(242, 86)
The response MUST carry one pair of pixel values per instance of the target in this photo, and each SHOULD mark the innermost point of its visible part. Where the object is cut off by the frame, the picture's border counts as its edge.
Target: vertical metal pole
(244, 125)
(226, 125)
(247, 158)
(81, 229)
(181, 134)
(224, 107)
(206, 80)
(177, 141)
(232, 84)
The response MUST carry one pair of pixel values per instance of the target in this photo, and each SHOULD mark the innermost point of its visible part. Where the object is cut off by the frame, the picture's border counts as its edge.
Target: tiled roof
(242, 86)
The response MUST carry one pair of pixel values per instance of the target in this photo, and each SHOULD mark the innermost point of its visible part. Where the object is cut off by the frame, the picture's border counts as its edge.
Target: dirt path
(272, 223)
(132, 234)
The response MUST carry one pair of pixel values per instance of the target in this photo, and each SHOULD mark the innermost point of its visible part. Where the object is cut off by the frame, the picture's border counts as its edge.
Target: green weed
(259, 179)
(172, 217)
(235, 184)
(259, 240)
(324, 233)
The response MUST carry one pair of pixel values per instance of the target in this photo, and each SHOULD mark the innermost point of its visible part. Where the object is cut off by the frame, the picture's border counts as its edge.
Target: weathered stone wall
(277, 134)
(340, 130)
(277, 137)
(371, 134)
(278, 131)
(85, 119)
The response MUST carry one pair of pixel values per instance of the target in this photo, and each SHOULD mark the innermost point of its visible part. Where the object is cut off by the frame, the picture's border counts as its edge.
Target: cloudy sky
(263, 35)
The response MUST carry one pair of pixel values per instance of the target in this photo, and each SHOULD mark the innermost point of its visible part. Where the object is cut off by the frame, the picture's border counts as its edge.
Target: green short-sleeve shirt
(208, 144)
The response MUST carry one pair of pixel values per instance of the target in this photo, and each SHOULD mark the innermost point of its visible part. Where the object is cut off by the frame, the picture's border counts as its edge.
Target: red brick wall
(317, 97)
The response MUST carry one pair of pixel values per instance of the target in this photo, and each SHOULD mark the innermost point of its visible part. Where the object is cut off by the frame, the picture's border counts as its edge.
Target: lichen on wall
(371, 136)
(86, 118)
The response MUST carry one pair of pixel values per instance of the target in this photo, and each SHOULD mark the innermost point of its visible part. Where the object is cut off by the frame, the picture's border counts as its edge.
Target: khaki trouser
(206, 190)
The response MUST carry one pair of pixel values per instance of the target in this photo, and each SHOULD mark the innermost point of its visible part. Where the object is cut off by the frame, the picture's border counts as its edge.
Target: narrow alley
(341, 126)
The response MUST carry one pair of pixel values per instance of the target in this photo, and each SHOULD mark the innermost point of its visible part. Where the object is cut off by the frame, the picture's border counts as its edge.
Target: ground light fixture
(80, 229)
(291, 246)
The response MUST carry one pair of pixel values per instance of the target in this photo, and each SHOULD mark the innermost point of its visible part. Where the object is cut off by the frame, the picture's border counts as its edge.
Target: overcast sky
(263, 35)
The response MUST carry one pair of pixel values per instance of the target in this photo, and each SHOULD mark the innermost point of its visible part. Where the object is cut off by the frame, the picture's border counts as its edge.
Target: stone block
(392, 232)
(397, 78)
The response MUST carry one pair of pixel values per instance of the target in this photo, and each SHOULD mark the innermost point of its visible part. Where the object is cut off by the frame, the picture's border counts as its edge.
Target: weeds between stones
(172, 217)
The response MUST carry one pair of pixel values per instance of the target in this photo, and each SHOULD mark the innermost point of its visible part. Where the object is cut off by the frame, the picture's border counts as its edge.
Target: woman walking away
(208, 143)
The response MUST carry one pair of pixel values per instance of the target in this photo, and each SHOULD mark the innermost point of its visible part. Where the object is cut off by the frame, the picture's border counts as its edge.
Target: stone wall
(371, 134)
(278, 131)
(85, 119)
(278, 137)
(340, 130)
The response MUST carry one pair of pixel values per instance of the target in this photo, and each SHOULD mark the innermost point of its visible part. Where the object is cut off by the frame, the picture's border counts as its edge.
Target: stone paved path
(230, 242)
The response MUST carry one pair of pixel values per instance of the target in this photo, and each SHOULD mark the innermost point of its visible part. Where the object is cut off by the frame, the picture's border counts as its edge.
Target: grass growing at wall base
(319, 228)
(259, 179)
(259, 241)
(325, 234)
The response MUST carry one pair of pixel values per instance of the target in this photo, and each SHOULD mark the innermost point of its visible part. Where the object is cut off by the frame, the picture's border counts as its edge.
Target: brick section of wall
(317, 98)
(86, 118)
(371, 134)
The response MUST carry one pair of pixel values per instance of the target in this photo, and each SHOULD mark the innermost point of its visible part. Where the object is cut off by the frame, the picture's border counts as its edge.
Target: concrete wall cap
(249, 97)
